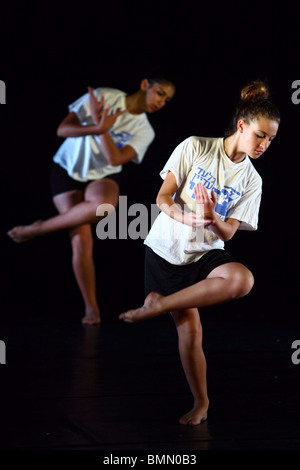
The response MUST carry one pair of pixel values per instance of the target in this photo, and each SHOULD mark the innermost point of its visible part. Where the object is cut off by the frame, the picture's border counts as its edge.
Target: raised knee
(242, 283)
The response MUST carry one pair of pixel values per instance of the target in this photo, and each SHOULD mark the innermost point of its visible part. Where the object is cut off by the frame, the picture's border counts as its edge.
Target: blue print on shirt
(204, 177)
(121, 138)
(224, 195)
(227, 194)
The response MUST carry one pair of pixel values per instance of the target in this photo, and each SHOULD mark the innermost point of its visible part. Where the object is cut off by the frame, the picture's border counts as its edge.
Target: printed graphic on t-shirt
(224, 195)
(121, 138)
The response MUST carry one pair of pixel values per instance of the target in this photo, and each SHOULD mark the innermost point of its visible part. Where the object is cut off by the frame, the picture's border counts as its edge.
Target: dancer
(104, 129)
(186, 264)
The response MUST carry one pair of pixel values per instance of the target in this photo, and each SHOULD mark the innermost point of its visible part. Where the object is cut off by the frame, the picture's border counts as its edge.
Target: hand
(96, 106)
(195, 220)
(107, 120)
(209, 203)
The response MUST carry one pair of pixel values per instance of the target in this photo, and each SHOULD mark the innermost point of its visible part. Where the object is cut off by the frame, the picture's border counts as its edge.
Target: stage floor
(120, 387)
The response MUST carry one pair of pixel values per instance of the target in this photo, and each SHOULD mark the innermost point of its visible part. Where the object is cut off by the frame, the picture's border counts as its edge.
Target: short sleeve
(81, 108)
(141, 141)
(247, 208)
(181, 159)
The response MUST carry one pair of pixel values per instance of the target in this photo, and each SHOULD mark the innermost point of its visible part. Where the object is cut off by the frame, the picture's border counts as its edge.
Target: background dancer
(104, 129)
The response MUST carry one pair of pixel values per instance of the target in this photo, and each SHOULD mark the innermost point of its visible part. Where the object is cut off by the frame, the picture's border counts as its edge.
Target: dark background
(51, 52)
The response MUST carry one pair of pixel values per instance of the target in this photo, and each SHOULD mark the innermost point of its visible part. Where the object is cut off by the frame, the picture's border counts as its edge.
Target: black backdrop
(51, 52)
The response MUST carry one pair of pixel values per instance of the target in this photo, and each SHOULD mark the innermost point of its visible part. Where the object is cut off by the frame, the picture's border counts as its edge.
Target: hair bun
(256, 90)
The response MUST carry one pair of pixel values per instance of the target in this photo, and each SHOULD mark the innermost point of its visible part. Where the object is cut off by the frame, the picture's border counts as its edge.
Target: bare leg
(82, 256)
(192, 357)
(84, 271)
(224, 283)
(75, 208)
(83, 212)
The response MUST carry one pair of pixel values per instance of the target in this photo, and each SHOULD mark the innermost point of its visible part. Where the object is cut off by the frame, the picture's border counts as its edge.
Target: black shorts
(166, 278)
(61, 182)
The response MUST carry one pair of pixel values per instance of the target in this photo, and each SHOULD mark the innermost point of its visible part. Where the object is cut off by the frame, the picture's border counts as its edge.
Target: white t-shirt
(83, 157)
(237, 187)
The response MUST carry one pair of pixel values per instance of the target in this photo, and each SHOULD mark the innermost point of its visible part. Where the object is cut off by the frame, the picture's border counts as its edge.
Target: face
(257, 136)
(157, 95)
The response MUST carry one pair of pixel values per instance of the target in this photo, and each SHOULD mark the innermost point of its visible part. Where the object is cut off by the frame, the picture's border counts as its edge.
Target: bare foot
(23, 233)
(92, 317)
(197, 415)
(150, 309)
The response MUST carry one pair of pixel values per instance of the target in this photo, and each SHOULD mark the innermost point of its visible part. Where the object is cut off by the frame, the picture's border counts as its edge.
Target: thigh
(238, 279)
(229, 271)
(64, 201)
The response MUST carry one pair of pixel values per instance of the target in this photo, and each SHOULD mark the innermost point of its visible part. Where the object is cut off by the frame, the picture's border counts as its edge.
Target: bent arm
(165, 200)
(71, 127)
(224, 229)
(166, 203)
(115, 155)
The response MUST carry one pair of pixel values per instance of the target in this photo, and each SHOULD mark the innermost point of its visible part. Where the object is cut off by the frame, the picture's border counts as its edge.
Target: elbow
(60, 132)
(114, 162)
(159, 200)
(227, 236)
(224, 236)
(226, 239)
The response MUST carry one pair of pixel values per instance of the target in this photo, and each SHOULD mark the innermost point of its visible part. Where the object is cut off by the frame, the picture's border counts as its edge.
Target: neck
(134, 103)
(231, 147)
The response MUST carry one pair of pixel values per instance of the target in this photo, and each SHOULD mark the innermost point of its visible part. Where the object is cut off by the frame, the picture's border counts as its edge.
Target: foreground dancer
(186, 264)
(104, 129)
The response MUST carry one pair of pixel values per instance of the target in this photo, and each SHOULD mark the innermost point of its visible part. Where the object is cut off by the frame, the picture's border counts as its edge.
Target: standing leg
(105, 192)
(193, 361)
(82, 255)
(84, 270)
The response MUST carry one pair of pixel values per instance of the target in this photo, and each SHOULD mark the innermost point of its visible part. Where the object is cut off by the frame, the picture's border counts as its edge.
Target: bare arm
(166, 203)
(115, 155)
(71, 127)
(103, 121)
(223, 229)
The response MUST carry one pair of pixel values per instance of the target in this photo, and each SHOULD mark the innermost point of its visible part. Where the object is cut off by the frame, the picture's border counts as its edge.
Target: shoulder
(201, 145)
(106, 91)
(144, 125)
(253, 177)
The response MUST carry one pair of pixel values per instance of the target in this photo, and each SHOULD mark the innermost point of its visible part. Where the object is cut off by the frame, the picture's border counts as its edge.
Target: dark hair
(254, 103)
(161, 76)
(160, 80)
